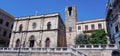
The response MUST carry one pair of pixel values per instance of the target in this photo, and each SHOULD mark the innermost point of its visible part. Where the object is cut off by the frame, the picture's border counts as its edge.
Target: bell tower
(70, 23)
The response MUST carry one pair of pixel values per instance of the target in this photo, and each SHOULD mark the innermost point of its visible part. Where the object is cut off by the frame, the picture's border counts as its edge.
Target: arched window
(34, 25)
(20, 27)
(49, 25)
(47, 42)
(31, 41)
(70, 29)
(70, 10)
(115, 53)
(17, 43)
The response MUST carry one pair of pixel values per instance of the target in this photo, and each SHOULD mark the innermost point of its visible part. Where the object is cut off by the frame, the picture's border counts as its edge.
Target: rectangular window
(7, 24)
(92, 26)
(9, 35)
(79, 27)
(86, 27)
(70, 29)
(1, 21)
(4, 33)
(116, 28)
(99, 26)
(0, 31)
(11, 26)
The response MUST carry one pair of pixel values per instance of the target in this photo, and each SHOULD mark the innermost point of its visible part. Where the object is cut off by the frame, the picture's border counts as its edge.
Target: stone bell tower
(70, 22)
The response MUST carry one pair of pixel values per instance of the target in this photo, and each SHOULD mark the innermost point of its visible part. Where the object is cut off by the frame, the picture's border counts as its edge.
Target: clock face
(34, 25)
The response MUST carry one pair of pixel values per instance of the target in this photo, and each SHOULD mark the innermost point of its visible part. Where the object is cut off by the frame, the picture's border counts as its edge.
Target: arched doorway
(31, 41)
(47, 42)
(17, 43)
(115, 53)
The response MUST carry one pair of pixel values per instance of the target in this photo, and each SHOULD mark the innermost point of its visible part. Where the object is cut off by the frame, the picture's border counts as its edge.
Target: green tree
(97, 37)
(81, 39)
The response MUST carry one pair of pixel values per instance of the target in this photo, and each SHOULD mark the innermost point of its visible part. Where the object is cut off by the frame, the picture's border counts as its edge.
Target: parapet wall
(76, 50)
(96, 46)
(39, 52)
(96, 50)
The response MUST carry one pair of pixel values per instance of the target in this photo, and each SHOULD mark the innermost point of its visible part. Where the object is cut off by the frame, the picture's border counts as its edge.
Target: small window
(4, 33)
(70, 10)
(20, 27)
(47, 42)
(116, 28)
(0, 30)
(39, 43)
(86, 27)
(70, 29)
(1, 21)
(99, 26)
(11, 26)
(9, 35)
(92, 26)
(7, 24)
(17, 43)
(48, 25)
(119, 42)
(34, 25)
(79, 27)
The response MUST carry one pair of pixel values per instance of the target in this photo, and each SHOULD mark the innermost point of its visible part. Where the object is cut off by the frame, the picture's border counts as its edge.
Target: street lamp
(20, 31)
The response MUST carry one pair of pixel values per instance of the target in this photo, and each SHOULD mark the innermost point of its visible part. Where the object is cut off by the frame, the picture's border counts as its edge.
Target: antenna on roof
(36, 13)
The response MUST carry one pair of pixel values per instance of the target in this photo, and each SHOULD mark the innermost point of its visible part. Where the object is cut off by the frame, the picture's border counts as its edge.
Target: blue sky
(86, 9)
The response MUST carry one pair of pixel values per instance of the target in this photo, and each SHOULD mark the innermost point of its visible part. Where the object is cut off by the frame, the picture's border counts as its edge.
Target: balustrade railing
(62, 49)
(95, 46)
(71, 51)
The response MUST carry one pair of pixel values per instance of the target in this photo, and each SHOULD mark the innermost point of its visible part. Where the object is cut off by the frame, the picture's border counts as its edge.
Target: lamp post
(21, 32)
(70, 39)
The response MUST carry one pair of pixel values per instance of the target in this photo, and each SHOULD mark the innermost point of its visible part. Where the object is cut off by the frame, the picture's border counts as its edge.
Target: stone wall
(39, 52)
(4, 29)
(40, 31)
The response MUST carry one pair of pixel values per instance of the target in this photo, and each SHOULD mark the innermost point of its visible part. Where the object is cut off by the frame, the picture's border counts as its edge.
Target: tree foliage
(97, 37)
(81, 39)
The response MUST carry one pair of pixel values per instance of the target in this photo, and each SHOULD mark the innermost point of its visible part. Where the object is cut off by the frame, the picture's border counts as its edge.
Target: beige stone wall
(89, 23)
(70, 22)
(70, 38)
(96, 52)
(40, 31)
(37, 54)
(62, 34)
(53, 35)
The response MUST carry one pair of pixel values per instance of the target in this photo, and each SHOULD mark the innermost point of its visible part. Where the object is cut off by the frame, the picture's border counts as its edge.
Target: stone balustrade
(75, 50)
(59, 50)
(36, 49)
(95, 46)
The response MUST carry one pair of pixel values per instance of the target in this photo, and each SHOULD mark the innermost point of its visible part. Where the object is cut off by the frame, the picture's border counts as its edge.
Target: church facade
(39, 31)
